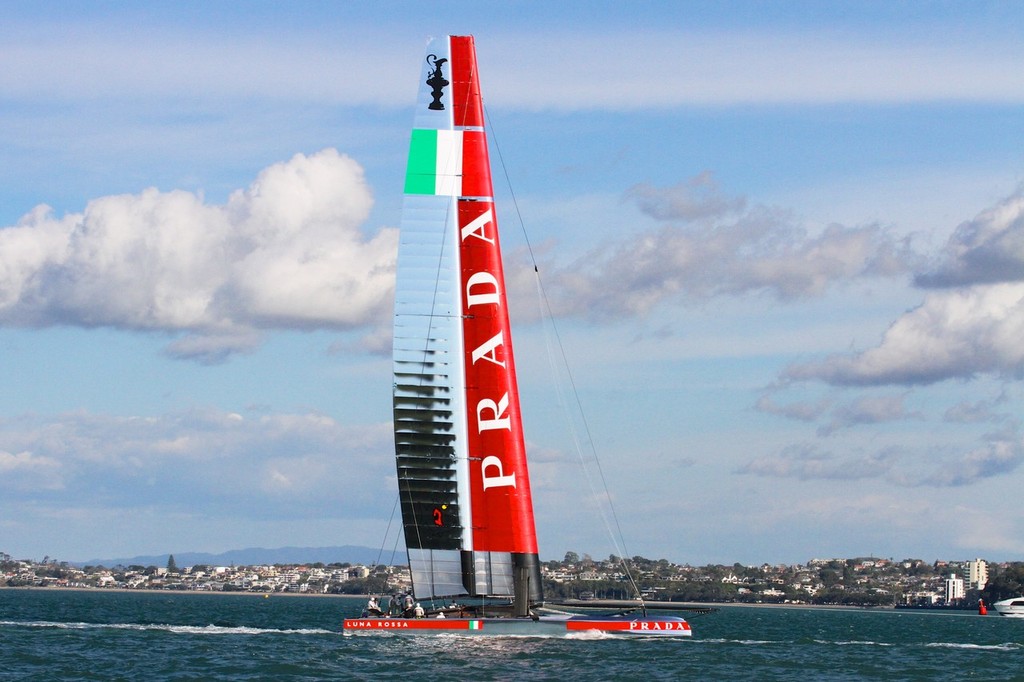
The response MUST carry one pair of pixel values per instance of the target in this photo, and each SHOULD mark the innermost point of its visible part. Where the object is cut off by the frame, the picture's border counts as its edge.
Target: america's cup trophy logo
(436, 81)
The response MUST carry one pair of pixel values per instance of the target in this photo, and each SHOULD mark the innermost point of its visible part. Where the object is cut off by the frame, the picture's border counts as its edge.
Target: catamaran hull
(545, 626)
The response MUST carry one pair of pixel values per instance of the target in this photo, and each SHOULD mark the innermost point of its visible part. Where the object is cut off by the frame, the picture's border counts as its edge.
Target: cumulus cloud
(970, 323)
(954, 334)
(287, 252)
(713, 245)
(986, 250)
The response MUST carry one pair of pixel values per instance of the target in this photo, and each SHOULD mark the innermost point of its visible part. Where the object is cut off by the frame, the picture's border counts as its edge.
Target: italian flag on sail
(435, 163)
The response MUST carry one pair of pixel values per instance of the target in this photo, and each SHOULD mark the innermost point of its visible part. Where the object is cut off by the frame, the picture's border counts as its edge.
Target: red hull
(671, 626)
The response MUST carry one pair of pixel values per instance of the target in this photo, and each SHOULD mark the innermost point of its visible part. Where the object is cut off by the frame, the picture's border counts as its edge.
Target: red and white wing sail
(461, 457)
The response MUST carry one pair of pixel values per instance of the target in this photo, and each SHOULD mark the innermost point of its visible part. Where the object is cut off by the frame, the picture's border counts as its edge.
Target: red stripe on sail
(499, 481)
(476, 176)
(467, 107)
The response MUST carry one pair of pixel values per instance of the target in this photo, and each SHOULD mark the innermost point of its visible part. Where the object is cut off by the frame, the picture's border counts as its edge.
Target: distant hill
(352, 554)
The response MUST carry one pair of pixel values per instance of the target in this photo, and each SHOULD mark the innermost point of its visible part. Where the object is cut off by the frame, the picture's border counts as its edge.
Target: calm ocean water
(67, 635)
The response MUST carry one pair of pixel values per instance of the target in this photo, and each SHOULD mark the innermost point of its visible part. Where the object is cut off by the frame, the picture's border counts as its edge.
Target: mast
(461, 458)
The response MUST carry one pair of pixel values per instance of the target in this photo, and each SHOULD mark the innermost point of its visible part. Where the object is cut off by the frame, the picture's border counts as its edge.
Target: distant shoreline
(682, 605)
(240, 593)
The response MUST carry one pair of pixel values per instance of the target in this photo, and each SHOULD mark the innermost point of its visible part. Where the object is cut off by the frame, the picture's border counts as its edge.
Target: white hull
(1013, 608)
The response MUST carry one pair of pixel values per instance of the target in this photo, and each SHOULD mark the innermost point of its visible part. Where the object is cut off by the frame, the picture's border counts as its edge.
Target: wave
(593, 634)
(1005, 646)
(788, 642)
(166, 627)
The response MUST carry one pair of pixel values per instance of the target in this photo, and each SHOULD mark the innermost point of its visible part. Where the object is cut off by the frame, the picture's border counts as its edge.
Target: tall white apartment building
(977, 574)
(954, 588)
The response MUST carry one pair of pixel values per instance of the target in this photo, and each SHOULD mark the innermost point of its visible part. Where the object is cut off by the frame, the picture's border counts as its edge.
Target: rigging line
(394, 551)
(546, 309)
(415, 520)
(616, 536)
(508, 183)
(387, 532)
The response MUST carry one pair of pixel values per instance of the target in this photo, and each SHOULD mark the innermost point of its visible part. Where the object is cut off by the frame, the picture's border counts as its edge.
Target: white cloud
(953, 334)
(988, 249)
(973, 327)
(26, 471)
(288, 253)
(201, 461)
(26, 249)
(712, 245)
(285, 253)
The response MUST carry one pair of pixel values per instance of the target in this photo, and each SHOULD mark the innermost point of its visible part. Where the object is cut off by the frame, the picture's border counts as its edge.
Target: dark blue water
(52, 634)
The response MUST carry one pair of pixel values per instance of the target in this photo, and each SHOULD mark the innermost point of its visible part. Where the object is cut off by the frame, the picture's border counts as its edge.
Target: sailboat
(463, 477)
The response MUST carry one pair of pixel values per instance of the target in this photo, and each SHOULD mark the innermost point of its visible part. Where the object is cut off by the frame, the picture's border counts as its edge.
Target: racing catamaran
(462, 469)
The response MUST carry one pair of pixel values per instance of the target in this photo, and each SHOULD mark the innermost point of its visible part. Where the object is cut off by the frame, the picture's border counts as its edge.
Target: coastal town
(863, 581)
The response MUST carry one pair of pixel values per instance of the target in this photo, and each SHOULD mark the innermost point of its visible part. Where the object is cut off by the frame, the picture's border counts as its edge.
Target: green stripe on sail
(421, 173)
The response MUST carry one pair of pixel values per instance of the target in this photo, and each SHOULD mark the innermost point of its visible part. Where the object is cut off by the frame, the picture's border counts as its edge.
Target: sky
(782, 245)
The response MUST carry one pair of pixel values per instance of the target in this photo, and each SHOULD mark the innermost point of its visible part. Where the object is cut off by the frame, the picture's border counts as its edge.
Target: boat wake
(1005, 646)
(853, 642)
(165, 627)
(592, 634)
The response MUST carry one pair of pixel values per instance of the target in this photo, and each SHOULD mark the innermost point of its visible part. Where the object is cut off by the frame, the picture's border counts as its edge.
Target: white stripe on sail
(449, 163)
